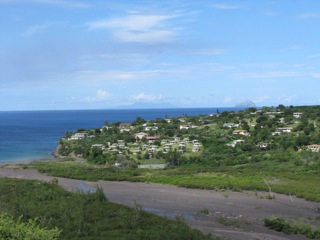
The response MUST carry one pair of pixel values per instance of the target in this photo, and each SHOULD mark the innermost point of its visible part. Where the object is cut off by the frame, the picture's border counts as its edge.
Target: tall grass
(82, 215)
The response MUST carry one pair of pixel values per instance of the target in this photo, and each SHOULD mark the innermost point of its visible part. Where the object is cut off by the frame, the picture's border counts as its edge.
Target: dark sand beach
(245, 210)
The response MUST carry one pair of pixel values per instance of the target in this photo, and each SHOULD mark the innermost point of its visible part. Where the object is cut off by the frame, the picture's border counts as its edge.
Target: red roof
(152, 137)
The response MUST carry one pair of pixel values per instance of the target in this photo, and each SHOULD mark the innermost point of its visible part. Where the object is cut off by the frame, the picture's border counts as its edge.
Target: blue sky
(77, 54)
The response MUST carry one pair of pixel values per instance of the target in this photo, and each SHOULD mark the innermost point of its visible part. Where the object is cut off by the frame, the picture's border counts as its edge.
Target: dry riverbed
(233, 215)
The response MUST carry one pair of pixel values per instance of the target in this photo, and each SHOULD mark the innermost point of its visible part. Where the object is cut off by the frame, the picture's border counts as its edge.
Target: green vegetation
(39, 209)
(274, 149)
(232, 222)
(281, 225)
(14, 230)
(204, 211)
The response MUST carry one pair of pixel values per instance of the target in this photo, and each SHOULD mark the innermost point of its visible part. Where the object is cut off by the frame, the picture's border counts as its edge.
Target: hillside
(250, 149)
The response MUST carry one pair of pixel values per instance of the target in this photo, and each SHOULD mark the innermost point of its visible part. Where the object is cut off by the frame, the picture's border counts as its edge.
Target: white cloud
(146, 97)
(227, 100)
(34, 30)
(138, 28)
(101, 96)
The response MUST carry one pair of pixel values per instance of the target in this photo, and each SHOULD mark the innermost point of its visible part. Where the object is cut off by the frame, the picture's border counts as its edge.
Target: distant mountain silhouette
(246, 104)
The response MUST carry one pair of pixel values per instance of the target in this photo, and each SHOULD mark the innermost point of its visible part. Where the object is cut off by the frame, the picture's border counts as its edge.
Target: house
(241, 132)
(184, 126)
(187, 126)
(101, 146)
(276, 133)
(197, 144)
(297, 114)
(164, 141)
(107, 127)
(235, 142)
(231, 125)
(168, 120)
(195, 141)
(263, 144)
(186, 140)
(78, 136)
(281, 130)
(140, 135)
(153, 137)
(136, 151)
(144, 147)
(124, 127)
(273, 113)
(314, 147)
(152, 128)
(284, 130)
(183, 120)
(195, 149)
(167, 148)
(281, 120)
(122, 130)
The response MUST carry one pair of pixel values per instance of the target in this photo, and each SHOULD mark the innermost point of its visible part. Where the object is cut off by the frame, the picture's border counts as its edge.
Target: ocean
(33, 135)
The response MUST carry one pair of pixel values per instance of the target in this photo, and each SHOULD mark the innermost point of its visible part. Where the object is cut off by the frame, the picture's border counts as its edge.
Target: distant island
(246, 104)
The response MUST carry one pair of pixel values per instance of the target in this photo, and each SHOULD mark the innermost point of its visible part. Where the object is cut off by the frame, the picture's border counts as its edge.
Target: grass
(232, 222)
(262, 176)
(85, 216)
(282, 225)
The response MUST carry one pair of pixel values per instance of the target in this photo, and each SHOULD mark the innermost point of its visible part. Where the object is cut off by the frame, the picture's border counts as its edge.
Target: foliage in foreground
(85, 215)
(281, 225)
(11, 229)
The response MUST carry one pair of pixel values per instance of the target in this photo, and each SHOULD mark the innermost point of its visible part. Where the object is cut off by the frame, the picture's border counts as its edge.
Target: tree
(281, 107)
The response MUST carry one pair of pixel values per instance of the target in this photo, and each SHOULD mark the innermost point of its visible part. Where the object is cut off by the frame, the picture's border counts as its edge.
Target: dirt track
(245, 211)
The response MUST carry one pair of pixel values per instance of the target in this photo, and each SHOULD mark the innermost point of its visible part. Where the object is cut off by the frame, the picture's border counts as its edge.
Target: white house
(263, 144)
(231, 125)
(314, 147)
(140, 135)
(235, 142)
(78, 136)
(284, 129)
(297, 114)
(98, 145)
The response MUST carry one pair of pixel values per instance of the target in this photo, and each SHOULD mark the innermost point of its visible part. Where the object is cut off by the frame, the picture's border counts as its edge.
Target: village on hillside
(189, 139)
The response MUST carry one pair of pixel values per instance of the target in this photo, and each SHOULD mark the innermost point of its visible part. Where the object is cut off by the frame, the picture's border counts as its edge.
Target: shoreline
(51, 156)
(28, 161)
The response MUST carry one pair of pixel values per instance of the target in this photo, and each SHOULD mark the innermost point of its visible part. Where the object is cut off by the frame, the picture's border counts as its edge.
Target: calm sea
(33, 135)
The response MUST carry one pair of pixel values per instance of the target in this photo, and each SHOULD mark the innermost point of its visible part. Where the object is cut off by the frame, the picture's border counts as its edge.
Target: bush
(281, 225)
